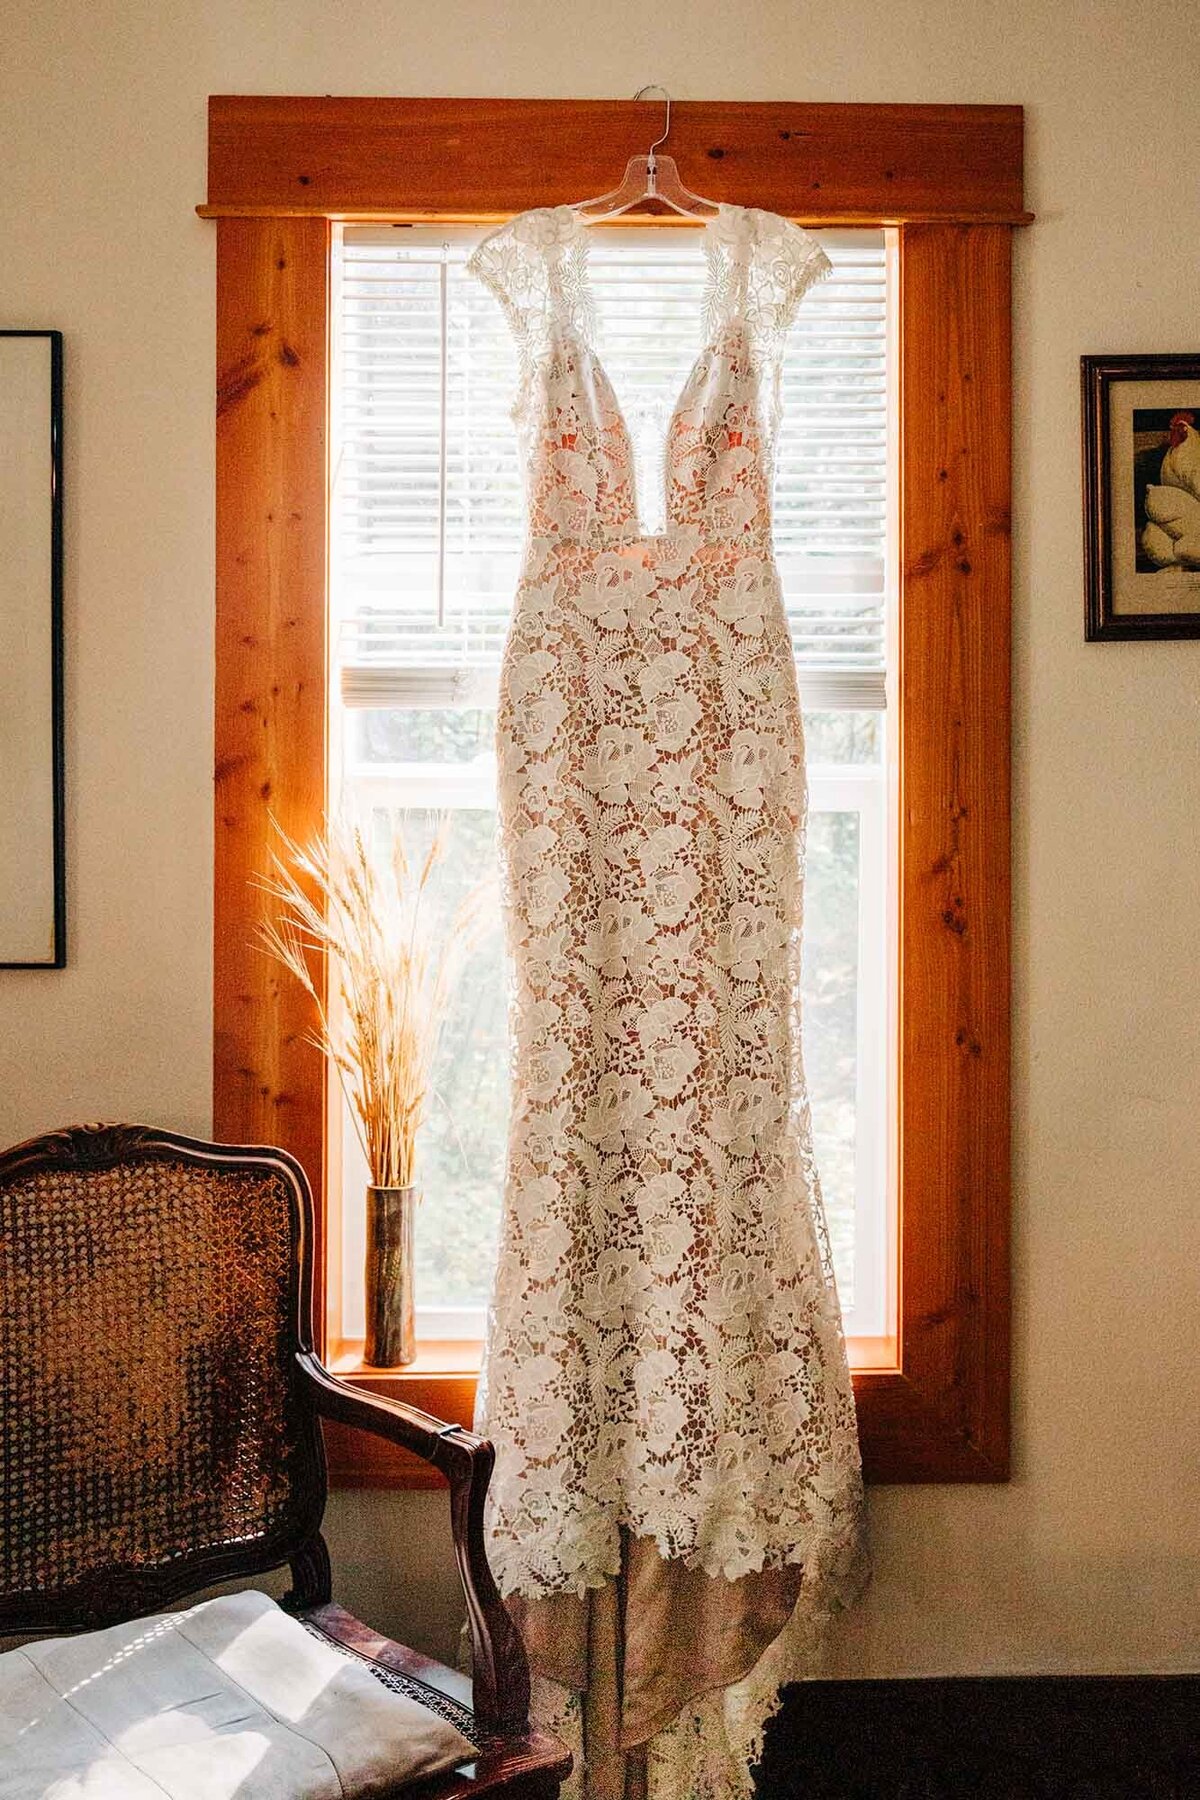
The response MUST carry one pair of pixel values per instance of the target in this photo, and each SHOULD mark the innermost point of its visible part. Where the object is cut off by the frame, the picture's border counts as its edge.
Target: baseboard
(1085, 1737)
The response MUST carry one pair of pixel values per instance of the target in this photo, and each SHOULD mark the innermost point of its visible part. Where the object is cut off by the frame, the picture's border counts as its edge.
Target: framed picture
(1141, 486)
(32, 886)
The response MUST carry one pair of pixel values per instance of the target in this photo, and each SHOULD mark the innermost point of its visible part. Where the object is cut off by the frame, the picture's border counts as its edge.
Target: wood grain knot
(240, 380)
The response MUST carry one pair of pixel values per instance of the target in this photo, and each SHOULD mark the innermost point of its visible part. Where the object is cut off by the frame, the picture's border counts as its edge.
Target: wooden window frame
(935, 1405)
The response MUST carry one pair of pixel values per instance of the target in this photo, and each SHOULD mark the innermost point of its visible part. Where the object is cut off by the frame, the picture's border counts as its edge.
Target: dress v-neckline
(580, 234)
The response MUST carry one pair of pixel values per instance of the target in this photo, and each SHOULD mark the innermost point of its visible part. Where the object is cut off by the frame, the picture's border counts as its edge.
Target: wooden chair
(160, 1408)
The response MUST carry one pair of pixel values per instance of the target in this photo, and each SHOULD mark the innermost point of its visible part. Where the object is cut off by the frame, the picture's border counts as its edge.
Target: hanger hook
(649, 87)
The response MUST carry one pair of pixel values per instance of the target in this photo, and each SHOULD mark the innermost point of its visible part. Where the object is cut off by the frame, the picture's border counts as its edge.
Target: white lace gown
(665, 1354)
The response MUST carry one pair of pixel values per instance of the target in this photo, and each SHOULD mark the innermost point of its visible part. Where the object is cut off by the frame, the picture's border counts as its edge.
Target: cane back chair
(160, 1408)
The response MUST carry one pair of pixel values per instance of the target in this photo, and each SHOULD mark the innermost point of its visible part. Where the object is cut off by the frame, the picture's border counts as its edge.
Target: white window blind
(427, 488)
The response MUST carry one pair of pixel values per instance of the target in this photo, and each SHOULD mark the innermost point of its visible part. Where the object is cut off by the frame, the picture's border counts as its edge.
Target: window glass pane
(829, 997)
(463, 1141)
(844, 737)
(445, 734)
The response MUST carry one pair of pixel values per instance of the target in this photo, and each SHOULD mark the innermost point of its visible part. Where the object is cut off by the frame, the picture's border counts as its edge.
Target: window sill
(442, 1382)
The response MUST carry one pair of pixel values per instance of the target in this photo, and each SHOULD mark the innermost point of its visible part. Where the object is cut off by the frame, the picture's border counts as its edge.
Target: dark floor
(1085, 1738)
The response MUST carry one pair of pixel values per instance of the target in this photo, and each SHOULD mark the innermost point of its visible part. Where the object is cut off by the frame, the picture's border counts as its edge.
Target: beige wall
(1090, 1558)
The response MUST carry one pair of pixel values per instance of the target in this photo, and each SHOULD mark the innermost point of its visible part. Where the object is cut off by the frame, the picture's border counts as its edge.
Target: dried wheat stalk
(371, 922)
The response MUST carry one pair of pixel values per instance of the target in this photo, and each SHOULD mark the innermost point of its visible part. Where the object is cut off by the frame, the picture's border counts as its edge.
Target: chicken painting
(1171, 535)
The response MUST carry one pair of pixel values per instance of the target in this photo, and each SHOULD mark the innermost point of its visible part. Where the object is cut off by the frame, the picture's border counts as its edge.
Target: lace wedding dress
(665, 1372)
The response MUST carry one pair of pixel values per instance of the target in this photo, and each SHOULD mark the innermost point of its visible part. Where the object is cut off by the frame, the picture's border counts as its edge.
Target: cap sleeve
(763, 267)
(785, 262)
(796, 263)
(521, 264)
(501, 263)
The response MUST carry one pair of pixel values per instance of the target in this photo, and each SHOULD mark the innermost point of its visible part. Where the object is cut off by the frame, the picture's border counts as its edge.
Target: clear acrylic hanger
(649, 177)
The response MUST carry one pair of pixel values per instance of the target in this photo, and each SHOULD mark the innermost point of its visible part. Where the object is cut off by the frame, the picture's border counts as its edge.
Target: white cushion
(230, 1698)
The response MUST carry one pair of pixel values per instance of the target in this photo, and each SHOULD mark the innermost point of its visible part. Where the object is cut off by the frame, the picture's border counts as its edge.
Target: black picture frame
(1105, 620)
(57, 958)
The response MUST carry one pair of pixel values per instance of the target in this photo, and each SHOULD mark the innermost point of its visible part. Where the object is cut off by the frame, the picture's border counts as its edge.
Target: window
(946, 182)
(427, 523)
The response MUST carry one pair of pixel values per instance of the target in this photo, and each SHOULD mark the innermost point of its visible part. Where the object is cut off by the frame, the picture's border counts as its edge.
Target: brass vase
(391, 1313)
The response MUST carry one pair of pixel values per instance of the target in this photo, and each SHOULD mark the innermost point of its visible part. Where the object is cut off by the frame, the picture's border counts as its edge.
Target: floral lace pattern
(665, 1347)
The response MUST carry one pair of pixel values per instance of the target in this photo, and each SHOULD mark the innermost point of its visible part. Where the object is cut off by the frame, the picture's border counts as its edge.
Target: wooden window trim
(936, 1406)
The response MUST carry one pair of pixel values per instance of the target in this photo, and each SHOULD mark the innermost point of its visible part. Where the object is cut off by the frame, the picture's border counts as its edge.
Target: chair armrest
(499, 1668)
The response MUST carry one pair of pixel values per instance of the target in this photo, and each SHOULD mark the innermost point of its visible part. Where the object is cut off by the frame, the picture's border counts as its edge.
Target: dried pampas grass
(371, 921)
